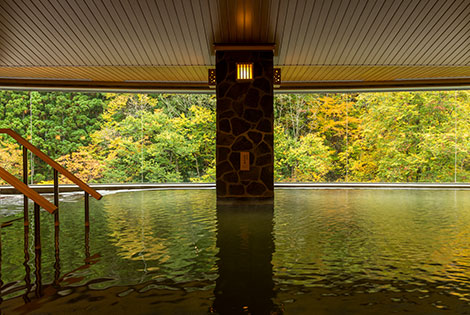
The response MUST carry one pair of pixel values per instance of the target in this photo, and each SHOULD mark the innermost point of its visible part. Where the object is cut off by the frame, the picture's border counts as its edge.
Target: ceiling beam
(104, 86)
(375, 85)
(250, 47)
(202, 87)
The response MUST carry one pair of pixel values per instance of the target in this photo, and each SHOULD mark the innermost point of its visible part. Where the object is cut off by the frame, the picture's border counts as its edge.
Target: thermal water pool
(178, 251)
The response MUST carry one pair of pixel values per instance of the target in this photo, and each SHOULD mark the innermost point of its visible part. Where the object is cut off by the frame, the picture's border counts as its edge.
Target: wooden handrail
(28, 192)
(51, 162)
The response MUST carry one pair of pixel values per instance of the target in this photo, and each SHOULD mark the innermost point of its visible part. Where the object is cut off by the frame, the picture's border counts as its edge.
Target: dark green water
(372, 250)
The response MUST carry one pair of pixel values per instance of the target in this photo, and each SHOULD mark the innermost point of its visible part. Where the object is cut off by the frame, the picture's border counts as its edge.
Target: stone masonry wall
(245, 124)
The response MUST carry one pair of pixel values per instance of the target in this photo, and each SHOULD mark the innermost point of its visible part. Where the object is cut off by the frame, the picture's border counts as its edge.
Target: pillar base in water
(243, 201)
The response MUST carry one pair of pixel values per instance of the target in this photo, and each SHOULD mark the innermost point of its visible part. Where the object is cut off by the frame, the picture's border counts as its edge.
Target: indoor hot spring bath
(314, 251)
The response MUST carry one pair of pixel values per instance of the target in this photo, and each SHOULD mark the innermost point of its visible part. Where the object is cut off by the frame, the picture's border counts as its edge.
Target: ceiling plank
(172, 41)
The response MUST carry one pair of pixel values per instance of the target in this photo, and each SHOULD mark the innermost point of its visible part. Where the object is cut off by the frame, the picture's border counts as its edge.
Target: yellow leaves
(126, 104)
(82, 164)
(11, 158)
(110, 95)
(327, 100)
(46, 182)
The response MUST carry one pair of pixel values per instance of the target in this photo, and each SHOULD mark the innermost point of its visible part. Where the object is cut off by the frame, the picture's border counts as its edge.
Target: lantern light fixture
(211, 78)
(244, 71)
(277, 77)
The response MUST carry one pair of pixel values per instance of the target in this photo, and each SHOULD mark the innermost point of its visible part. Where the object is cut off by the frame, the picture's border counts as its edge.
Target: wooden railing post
(56, 197)
(27, 269)
(37, 272)
(37, 246)
(87, 228)
(37, 230)
(29, 193)
(87, 245)
(56, 229)
(25, 181)
(87, 209)
(57, 256)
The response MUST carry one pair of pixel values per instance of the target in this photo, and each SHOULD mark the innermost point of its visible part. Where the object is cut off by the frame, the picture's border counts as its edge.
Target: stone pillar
(245, 124)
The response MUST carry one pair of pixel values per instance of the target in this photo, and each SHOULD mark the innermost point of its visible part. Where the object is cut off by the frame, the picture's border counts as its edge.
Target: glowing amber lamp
(212, 79)
(244, 71)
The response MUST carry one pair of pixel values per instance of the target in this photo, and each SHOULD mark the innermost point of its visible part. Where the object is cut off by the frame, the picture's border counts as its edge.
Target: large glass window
(112, 138)
(373, 137)
(419, 136)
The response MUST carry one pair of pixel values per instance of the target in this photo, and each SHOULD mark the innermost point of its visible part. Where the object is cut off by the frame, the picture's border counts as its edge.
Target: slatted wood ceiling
(172, 40)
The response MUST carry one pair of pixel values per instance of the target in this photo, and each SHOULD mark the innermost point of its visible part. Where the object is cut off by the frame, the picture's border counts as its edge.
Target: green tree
(57, 123)
(408, 137)
(303, 160)
(140, 141)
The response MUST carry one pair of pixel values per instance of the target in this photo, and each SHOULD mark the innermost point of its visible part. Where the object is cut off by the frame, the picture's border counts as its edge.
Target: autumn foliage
(355, 137)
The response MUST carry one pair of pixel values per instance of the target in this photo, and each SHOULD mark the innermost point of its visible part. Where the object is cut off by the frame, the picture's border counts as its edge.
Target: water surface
(328, 251)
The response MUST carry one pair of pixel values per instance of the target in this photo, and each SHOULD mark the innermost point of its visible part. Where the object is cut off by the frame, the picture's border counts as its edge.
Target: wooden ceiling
(168, 44)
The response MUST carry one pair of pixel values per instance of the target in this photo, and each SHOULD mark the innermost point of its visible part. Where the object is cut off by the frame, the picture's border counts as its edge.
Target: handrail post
(57, 257)
(56, 229)
(27, 269)
(87, 245)
(87, 228)
(87, 209)
(37, 230)
(56, 197)
(37, 246)
(25, 181)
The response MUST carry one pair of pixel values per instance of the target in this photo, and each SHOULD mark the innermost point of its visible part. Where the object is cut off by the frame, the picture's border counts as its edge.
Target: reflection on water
(245, 242)
(351, 235)
(330, 251)
(57, 252)
(27, 269)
